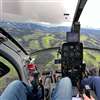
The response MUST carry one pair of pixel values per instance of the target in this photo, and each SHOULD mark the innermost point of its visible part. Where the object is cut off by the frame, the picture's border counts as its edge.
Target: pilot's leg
(63, 90)
(15, 91)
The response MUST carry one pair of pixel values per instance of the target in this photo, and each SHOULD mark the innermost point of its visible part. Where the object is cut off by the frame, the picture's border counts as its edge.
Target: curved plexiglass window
(9, 77)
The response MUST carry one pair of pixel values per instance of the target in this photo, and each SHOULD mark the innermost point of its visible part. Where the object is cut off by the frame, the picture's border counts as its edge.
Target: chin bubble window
(7, 74)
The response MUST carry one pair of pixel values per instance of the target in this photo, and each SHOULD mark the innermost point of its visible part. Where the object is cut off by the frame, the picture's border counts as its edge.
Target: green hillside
(39, 40)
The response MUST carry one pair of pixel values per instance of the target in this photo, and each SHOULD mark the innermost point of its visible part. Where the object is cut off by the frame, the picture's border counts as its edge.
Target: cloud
(51, 11)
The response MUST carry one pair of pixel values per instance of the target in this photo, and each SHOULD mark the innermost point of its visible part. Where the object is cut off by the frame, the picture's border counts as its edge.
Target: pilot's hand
(87, 98)
(31, 78)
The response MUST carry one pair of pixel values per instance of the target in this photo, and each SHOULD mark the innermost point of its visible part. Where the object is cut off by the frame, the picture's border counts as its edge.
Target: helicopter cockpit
(48, 58)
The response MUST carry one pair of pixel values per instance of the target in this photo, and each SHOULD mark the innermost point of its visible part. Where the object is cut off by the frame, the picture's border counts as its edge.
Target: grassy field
(83, 37)
(90, 57)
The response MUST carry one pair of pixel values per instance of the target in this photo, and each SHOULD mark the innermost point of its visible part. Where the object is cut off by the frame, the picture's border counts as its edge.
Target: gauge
(72, 54)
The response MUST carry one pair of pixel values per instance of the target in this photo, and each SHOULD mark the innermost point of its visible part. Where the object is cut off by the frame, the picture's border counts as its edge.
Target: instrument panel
(71, 59)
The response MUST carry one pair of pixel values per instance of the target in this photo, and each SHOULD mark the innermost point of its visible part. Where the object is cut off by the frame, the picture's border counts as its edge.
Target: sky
(91, 14)
(49, 11)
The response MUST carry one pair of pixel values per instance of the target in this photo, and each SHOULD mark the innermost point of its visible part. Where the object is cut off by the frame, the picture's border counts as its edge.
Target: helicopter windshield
(41, 24)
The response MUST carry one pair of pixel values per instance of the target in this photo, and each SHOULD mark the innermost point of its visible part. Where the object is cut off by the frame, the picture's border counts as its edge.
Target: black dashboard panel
(71, 59)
